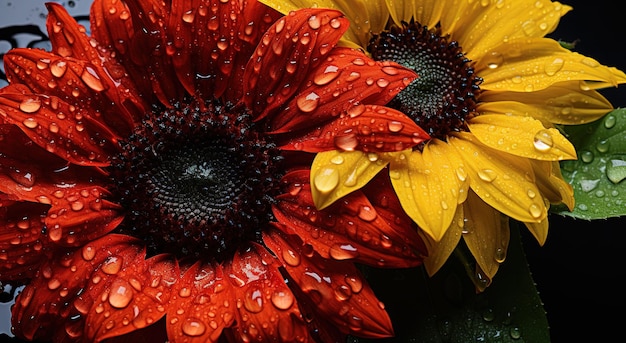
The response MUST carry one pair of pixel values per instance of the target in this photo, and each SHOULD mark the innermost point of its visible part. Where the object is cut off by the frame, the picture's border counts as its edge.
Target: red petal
(350, 229)
(201, 305)
(295, 44)
(369, 128)
(263, 298)
(112, 27)
(135, 30)
(136, 296)
(56, 302)
(100, 67)
(22, 245)
(62, 129)
(212, 42)
(340, 292)
(346, 78)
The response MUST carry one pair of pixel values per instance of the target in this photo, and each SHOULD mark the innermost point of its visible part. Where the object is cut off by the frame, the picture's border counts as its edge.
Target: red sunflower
(147, 187)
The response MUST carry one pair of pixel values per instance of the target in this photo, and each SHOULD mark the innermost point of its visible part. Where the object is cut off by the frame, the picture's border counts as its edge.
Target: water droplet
(616, 169)
(193, 327)
(602, 146)
(543, 140)
(291, 257)
(54, 284)
(487, 175)
(30, 105)
(356, 110)
(58, 68)
(367, 213)
(515, 332)
(253, 301)
(586, 156)
(553, 67)
(88, 253)
(77, 205)
(92, 80)
(329, 74)
(343, 251)
(338, 159)
(189, 16)
(121, 294)
(314, 22)
(308, 102)
(282, 300)
(395, 126)
(609, 121)
(184, 292)
(342, 292)
(326, 180)
(112, 265)
(535, 211)
(346, 142)
(493, 59)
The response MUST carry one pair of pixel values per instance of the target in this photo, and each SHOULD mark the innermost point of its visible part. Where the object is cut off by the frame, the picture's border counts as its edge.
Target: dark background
(580, 271)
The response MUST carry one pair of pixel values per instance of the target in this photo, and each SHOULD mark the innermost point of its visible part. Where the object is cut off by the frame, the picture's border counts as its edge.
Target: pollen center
(443, 95)
(195, 183)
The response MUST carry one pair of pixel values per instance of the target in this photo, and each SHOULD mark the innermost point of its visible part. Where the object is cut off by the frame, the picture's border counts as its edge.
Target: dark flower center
(196, 183)
(443, 95)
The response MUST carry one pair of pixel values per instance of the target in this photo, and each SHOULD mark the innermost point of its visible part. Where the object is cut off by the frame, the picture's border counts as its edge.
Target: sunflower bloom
(492, 89)
(148, 187)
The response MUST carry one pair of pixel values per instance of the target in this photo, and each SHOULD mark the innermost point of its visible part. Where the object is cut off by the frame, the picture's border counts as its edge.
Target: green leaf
(598, 174)
(446, 308)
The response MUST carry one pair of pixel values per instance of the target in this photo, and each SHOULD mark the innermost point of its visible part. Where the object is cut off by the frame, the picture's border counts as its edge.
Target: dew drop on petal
(342, 292)
(88, 253)
(326, 180)
(367, 213)
(314, 22)
(91, 79)
(355, 283)
(343, 251)
(543, 140)
(346, 142)
(253, 301)
(330, 73)
(535, 211)
(553, 67)
(291, 257)
(121, 294)
(487, 175)
(58, 68)
(282, 300)
(309, 102)
(395, 126)
(30, 105)
(112, 265)
(193, 327)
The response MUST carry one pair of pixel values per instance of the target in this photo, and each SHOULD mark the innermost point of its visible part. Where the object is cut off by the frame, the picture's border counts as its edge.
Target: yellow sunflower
(490, 91)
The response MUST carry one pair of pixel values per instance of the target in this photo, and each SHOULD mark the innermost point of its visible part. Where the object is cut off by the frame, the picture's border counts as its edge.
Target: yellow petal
(551, 183)
(337, 173)
(486, 234)
(426, 12)
(487, 26)
(562, 103)
(440, 251)
(532, 64)
(504, 181)
(522, 136)
(428, 187)
(539, 230)
(366, 16)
